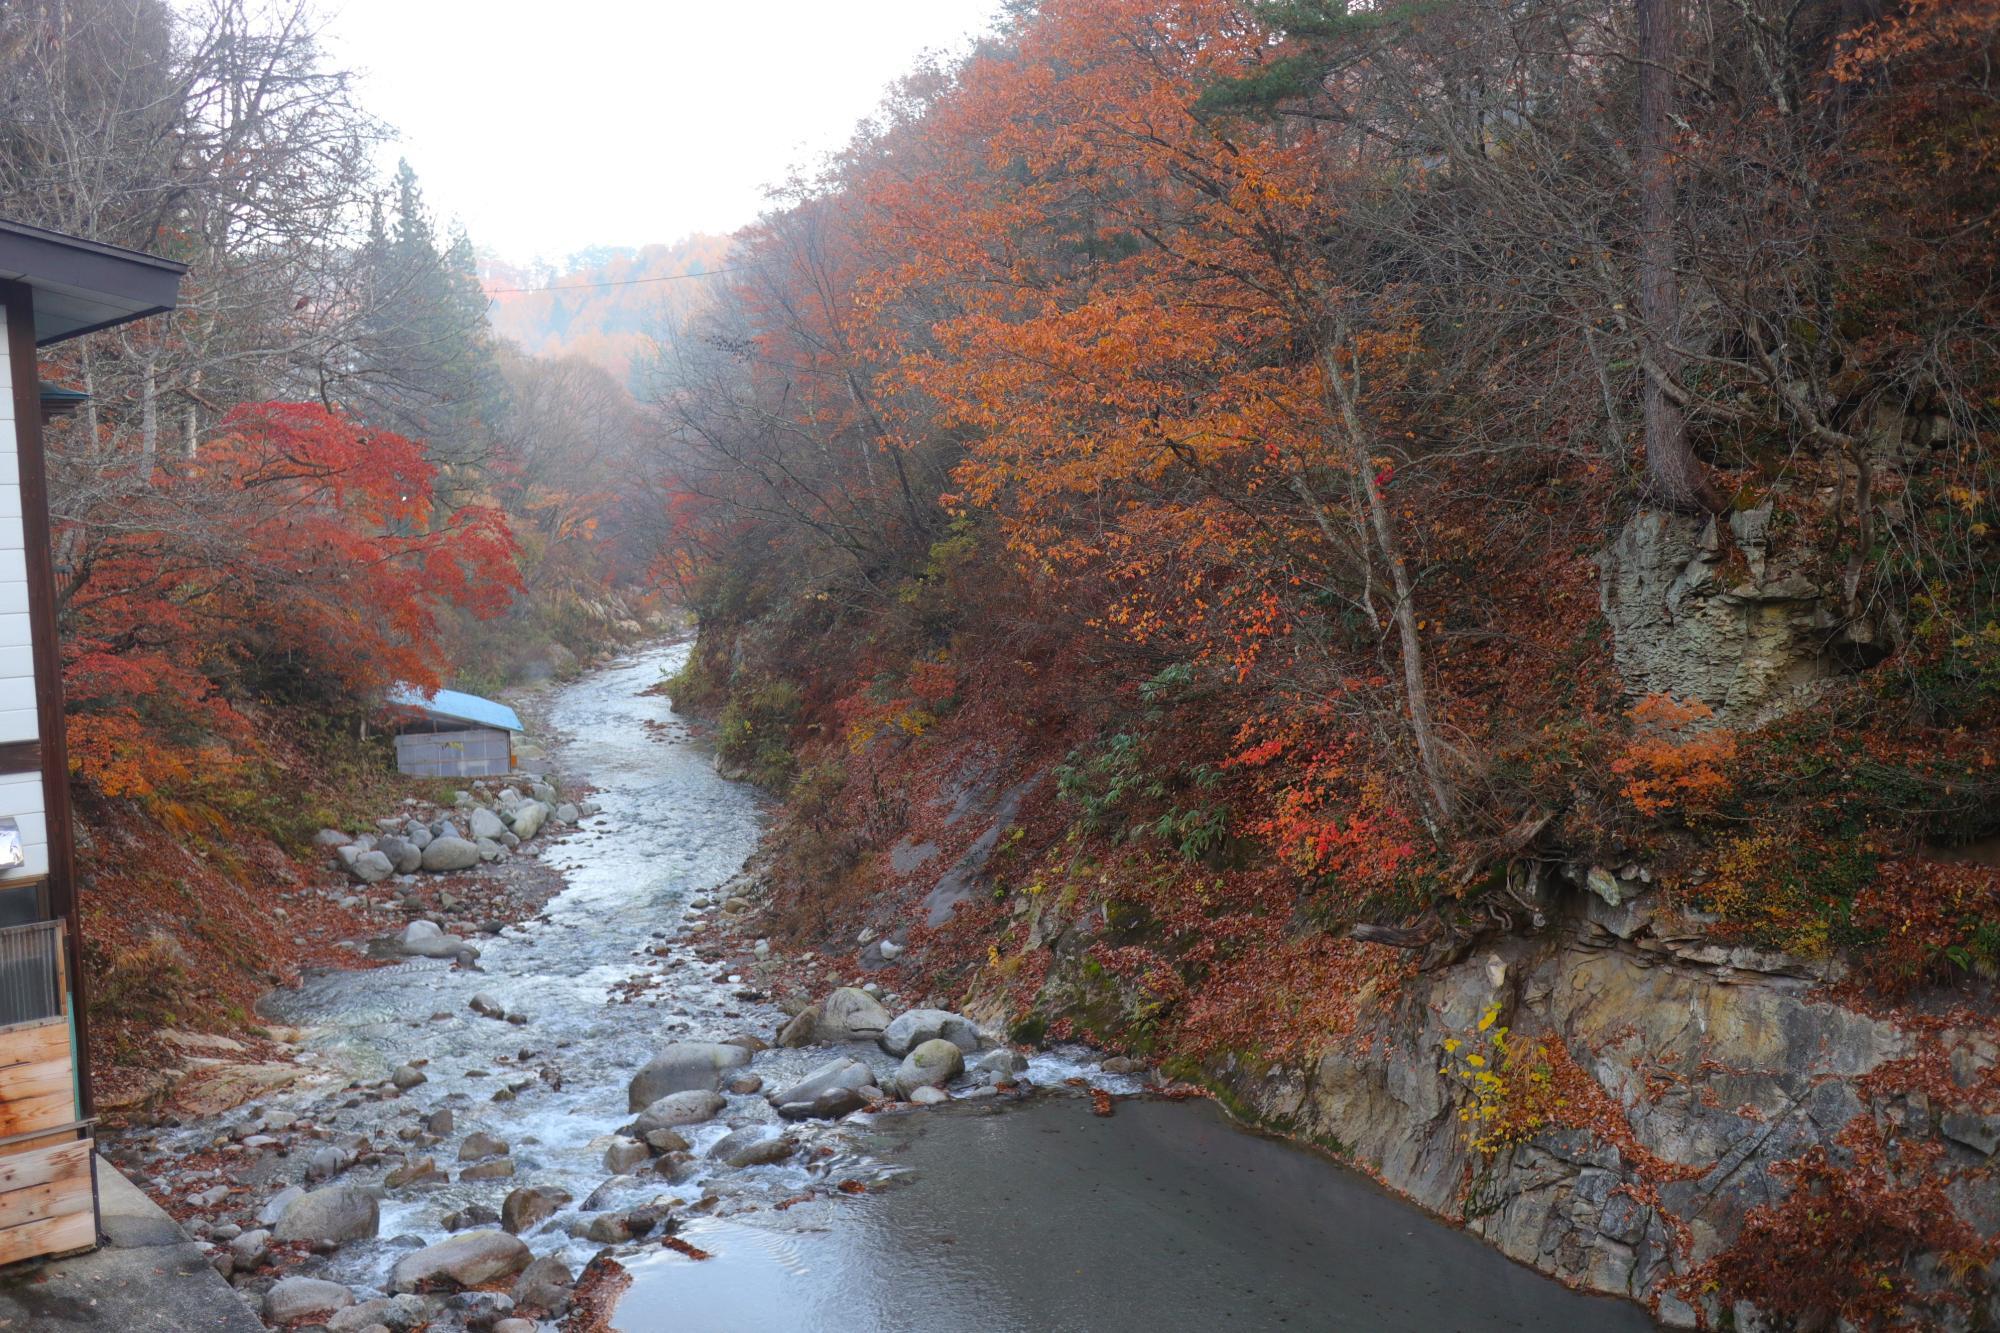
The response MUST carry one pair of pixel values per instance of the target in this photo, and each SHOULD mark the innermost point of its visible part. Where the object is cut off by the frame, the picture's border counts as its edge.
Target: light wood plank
(38, 1112)
(41, 1044)
(55, 1198)
(50, 1235)
(21, 1170)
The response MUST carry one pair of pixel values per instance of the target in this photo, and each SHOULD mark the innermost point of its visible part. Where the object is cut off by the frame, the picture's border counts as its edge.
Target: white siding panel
(10, 534)
(17, 724)
(18, 660)
(13, 599)
(34, 830)
(13, 566)
(15, 695)
(15, 632)
(6, 385)
(36, 863)
(10, 498)
(21, 795)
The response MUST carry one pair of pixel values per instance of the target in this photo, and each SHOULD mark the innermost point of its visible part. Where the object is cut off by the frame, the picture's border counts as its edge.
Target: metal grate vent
(31, 988)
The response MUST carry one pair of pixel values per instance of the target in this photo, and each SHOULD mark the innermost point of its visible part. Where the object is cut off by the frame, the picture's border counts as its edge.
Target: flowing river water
(979, 1216)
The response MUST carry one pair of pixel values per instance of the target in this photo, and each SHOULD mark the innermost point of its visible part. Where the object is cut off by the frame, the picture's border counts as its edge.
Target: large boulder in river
(528, 819)
(677, 1109)
(918, 1026)
(483, 823)
(371, 867)
(931, 1065)
(449, 853)
(685, 1066)
(337, 1214)
(469, 1259)
(850, 1015)
(830, 1090)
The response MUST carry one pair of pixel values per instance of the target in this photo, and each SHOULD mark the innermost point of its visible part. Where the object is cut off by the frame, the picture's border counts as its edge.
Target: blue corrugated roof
(456, 707)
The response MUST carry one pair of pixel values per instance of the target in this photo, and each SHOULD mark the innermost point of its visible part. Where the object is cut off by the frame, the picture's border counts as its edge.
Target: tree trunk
(1674, 476)
(1430, 755)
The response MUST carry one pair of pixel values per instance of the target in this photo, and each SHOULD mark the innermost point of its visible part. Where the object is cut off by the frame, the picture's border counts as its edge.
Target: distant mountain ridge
(606, 304)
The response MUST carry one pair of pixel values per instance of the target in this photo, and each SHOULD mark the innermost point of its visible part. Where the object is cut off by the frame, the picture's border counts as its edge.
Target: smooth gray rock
(483, 823)
(423, 939)
(250, 1249)
(685, 1066)
(465, 1260)
(1002, 1063)
(801, 1029)
(295, 1298)
(338, 1213)
(850, 1015)
(753, 1145)
(274, 1207)
(930, 1065)
(450, 853)
(528, 819)
(566, 813)
(371, 867)
(405, 855)
(407, 1077)
(481, 1144)
(911, 1030)
(838, 1074)
(677, 1109)
(830, 1105)
(623, 1154)
(489, 850)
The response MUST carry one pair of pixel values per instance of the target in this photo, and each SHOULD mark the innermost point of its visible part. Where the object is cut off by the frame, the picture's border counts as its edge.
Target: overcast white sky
(550, 125)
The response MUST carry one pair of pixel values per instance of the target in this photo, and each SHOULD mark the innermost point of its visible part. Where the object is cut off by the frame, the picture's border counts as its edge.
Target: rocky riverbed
(525, 1112)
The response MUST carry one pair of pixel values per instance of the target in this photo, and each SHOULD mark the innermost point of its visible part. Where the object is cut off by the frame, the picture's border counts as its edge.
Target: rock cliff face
(1699, 610)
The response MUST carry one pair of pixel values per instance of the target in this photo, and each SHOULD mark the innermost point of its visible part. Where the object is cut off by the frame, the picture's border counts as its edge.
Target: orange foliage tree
(299, 558)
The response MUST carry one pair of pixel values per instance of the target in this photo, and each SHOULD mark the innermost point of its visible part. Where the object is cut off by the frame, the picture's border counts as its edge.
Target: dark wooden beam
(19, 301)
(20, 757)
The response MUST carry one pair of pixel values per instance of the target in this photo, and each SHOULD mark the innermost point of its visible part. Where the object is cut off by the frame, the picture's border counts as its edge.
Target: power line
(616, 282)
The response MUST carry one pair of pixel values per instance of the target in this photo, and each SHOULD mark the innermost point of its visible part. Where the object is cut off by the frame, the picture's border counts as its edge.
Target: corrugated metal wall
(483, 753)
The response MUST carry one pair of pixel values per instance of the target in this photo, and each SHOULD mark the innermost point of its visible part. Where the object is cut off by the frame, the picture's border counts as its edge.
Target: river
(977, 1216)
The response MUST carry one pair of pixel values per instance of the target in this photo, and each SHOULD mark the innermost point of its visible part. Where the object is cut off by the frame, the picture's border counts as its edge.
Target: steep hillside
(1466, 625)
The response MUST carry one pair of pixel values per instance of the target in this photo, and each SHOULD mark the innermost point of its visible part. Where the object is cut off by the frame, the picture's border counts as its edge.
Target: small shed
(447, 734)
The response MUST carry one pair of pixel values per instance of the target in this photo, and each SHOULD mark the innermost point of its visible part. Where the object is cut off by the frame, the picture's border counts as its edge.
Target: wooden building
(447, 734)
(52, 287)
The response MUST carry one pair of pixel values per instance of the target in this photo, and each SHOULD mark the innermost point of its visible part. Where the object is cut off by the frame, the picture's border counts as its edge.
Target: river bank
(438, 1163)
